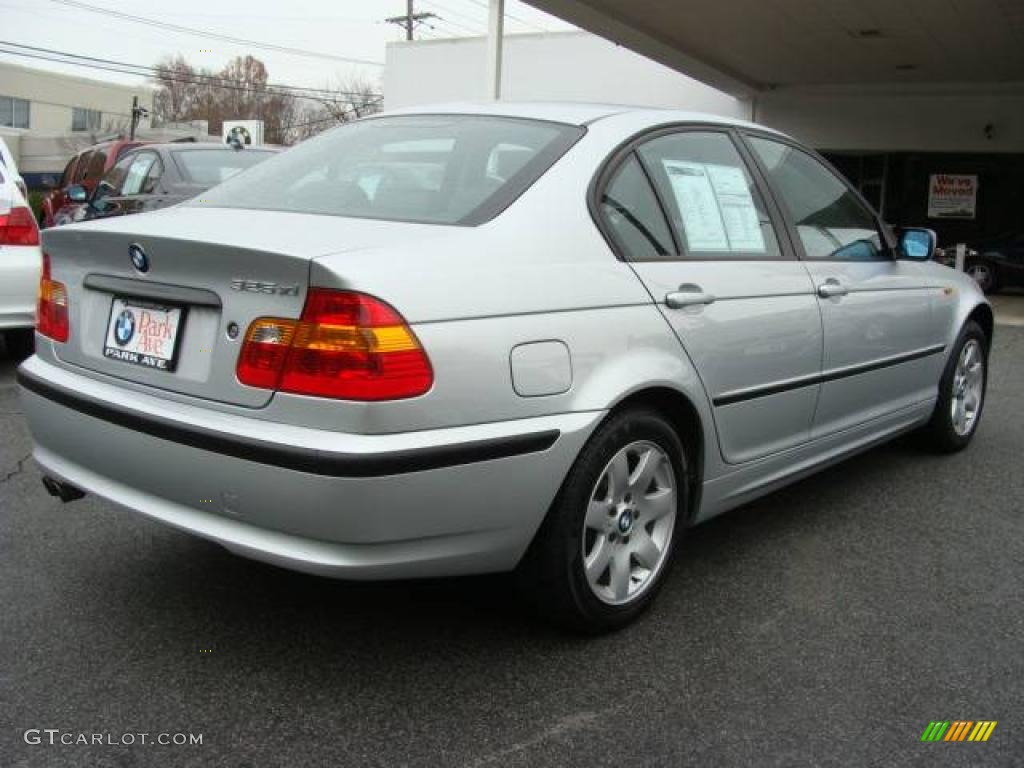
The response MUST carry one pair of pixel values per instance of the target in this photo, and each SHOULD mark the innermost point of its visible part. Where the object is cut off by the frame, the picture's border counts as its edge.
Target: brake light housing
(18, 227)
(52, 306)
(346, 345)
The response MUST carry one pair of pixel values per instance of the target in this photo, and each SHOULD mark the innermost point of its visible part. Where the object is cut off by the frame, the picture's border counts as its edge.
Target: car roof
(190, 146)
(573, 113)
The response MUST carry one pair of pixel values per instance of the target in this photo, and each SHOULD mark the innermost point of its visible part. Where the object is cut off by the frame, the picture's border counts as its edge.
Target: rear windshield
(212, 166)
(442, 169)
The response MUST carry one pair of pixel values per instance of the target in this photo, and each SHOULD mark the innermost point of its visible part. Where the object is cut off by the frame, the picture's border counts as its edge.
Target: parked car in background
(10, 168)
(20, 263)
(546, 338)
(158, 175)
(85, 169)
(997, 262)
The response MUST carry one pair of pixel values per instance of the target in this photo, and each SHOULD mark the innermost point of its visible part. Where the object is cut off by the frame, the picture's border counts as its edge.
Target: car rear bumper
(429, 503)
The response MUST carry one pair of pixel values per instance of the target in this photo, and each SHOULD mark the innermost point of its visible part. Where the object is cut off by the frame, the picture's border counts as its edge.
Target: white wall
(936, 118)
(571, 66)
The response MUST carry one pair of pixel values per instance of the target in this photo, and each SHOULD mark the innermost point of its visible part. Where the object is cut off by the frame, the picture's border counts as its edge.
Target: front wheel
(608, 541)
(961, 392)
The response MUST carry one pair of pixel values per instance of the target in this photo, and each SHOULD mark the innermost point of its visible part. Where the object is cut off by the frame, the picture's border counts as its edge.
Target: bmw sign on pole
(245, 132)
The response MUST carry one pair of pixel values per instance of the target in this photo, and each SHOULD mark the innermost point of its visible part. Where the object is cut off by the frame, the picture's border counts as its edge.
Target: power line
(514, 18)
(143, 70)
(446, 17)
(213, 35)
(480, 25)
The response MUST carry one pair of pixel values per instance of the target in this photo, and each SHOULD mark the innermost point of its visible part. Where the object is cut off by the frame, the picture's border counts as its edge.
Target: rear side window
(142, 174)
(831, 221)
(442, 169)
(634, 217)
(212, 166)
(711, 200)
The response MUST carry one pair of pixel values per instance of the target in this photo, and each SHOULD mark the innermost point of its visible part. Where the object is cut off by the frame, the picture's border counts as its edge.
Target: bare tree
(241, 91)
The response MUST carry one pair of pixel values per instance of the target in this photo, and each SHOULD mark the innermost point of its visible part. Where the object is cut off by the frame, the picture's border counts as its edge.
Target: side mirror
(77, 193)
(917, 244)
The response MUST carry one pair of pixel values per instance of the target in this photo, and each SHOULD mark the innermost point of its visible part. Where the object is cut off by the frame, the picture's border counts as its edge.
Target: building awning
(748, 46)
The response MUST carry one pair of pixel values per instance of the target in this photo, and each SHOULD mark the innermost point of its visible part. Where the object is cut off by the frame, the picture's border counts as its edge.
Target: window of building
(83, 119)
(14, 113)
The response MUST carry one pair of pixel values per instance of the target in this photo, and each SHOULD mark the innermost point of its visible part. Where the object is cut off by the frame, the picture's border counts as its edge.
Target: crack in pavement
(19, 468)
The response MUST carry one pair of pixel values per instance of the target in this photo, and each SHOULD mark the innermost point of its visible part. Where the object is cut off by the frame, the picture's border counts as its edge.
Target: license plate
(144, 334)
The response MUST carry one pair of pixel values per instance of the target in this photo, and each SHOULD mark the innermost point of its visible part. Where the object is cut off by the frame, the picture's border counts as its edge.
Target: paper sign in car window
(136, 174)
(739, 214)
(695, 198)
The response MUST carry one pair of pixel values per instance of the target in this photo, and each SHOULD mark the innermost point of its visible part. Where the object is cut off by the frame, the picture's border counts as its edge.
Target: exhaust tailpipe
(63, 491)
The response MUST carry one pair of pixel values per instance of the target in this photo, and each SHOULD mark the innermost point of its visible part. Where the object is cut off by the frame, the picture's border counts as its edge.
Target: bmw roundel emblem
(124, 328)
(138, 256)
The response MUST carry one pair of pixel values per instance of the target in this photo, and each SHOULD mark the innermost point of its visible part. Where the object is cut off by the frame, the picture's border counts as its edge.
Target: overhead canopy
(747, 46)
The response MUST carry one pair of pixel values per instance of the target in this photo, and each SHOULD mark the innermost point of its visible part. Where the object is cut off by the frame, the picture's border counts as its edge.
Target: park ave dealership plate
(143, 334)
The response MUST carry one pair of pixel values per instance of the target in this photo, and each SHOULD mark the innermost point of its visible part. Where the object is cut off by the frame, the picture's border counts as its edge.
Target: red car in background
(85, 168)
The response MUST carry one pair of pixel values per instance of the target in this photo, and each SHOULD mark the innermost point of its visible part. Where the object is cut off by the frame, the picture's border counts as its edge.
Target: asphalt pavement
(824, 625)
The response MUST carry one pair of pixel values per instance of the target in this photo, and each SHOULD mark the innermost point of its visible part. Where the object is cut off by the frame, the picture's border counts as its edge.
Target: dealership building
(920, 105)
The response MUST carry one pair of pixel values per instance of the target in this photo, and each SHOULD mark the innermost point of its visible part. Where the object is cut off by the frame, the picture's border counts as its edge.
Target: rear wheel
(984, 274)
(20, 343)
(608, 541)
(961, 392)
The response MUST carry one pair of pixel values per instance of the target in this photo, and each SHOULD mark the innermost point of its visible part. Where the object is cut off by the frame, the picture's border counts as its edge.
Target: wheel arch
(982, 314)
(686, 420)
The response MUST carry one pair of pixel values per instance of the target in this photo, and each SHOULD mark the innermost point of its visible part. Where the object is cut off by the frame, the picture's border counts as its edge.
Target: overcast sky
(346, 28)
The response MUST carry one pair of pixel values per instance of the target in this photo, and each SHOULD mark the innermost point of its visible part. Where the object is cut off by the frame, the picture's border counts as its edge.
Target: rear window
(440, 169)
(213, 166)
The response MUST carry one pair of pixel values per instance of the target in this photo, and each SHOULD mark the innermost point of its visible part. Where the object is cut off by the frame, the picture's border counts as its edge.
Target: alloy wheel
(631, 514)
(968, 388)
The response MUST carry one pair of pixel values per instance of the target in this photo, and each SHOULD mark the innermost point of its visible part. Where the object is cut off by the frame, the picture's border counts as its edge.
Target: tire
(628, 535)
(953, 426)
(984, 274)
(20, 343)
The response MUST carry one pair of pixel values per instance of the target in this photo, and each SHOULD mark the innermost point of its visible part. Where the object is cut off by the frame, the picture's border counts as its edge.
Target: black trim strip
(842, 373)
(176, 294)
(293, 457)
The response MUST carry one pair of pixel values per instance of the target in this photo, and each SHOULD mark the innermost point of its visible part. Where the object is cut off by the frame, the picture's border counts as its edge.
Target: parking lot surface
(826, 624)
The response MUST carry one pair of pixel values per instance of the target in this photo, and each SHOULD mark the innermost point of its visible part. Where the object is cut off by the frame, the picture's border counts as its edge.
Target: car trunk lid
(192, 279)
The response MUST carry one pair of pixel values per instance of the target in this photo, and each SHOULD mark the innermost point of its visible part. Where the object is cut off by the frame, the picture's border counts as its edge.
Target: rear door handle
(832, 288)
(688, 296)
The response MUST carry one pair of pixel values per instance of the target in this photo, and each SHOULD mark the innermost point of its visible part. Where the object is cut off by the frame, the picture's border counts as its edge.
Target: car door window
(632, 214)
(830, 219)
(710, 197)
(137, 173)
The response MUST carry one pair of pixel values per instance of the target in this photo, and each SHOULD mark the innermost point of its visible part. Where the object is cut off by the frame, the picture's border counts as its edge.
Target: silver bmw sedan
(536, 338)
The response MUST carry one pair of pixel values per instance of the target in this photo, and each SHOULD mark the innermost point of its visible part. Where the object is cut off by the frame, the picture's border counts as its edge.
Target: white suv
(20, 264)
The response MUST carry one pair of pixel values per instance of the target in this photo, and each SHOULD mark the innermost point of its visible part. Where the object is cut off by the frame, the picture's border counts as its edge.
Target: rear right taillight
(18, 227)
(52, 307)
(346, 345)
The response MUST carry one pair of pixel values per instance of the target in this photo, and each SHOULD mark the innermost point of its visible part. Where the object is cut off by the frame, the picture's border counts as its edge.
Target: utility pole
(410, 20)
(137, 114)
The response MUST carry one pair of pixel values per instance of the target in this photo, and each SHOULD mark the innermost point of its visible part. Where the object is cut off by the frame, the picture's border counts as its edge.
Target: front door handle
(688, 296)
(832, 288)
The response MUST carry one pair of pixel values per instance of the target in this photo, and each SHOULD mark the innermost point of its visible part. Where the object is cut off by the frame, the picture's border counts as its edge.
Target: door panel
(741, 305)
(880, 349)
(883, 327)
(762, 332)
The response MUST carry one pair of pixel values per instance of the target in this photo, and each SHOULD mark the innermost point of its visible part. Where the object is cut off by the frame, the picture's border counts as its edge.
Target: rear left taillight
(18, 227)
(52, 307)
(346, 345)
